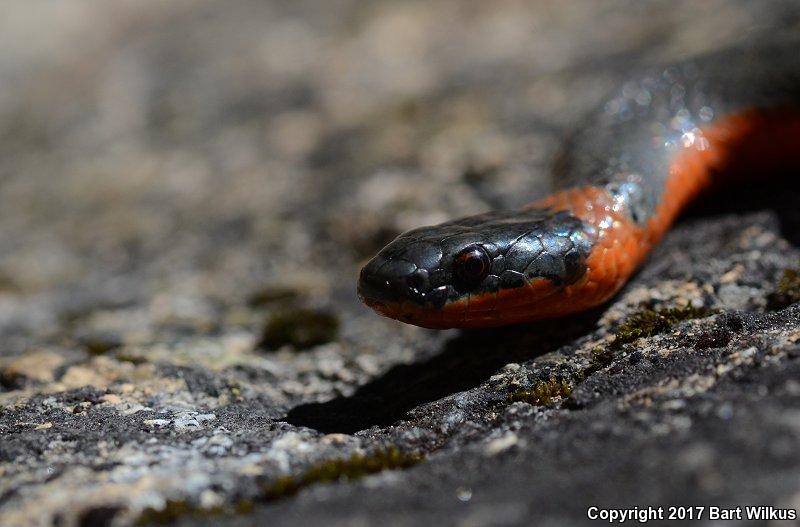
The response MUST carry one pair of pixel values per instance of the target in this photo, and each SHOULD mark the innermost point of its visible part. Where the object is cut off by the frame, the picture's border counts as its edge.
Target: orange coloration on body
(751, 141)
(735, 147)
(756, 141)
(746, 142)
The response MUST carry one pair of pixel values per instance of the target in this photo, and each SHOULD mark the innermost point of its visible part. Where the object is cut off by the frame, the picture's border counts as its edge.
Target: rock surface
(187, 190)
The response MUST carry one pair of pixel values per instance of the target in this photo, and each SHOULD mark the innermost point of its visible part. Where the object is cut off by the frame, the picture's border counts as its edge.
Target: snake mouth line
(485, 310)
(411, 313)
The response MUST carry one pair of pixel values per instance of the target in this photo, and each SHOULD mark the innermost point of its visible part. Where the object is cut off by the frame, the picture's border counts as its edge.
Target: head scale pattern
(495, 251)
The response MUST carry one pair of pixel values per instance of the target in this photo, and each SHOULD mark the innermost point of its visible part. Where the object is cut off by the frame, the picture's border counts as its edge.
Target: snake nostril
(372, 285)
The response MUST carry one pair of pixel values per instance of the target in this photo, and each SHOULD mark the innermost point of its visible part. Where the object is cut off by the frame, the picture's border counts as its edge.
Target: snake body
(665, 136)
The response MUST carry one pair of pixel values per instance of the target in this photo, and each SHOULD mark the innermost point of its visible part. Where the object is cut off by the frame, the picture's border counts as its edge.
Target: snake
(659, 140)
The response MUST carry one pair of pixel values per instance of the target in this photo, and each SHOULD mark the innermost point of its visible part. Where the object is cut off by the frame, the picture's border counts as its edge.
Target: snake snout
(387, 280)
(407, 270)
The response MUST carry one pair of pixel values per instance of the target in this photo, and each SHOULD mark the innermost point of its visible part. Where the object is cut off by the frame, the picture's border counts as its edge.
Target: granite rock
(173, 176)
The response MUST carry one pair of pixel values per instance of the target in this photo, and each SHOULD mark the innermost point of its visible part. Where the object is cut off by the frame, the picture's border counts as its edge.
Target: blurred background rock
(187, 189)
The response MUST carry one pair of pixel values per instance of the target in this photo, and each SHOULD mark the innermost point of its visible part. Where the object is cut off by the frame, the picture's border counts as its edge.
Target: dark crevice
(465, 362)
(779, 193)
(98, 516)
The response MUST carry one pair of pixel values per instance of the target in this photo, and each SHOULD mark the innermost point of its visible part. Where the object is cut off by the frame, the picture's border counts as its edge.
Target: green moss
(131, 358)
(352, 468)
(175, 509)
(299, 328)
(11, 380)
(101, 344)
(272, 295)
(651, 322)
(542, 393)
(601, 357)
(355, 467)
(787, 291)
(8, 285)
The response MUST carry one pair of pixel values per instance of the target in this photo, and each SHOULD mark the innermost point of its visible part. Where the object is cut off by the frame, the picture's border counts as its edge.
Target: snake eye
(470, 267)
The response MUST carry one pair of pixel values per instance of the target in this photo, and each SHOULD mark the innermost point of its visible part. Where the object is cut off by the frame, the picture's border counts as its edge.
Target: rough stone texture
(174, 174)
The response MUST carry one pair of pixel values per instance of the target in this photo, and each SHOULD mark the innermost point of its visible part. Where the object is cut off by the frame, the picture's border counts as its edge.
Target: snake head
(476, 269)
